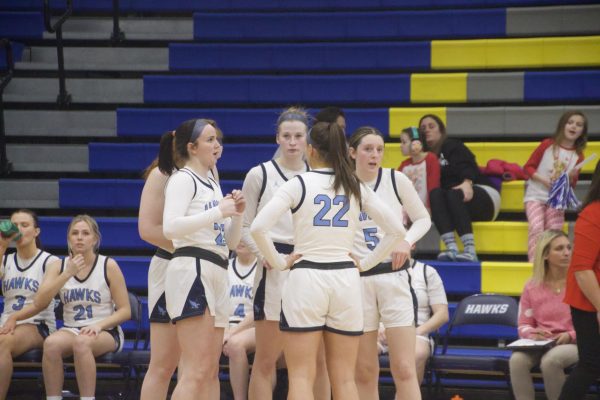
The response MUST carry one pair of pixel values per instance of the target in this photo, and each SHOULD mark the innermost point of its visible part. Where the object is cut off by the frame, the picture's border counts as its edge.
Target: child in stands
(550, 159)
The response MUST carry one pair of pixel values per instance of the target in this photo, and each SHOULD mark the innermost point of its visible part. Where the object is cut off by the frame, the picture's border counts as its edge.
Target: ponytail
(329, 140)
(166, 161)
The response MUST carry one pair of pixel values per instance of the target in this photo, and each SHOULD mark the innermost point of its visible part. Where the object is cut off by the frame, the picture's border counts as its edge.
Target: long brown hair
(559, 133)
(442, 127)
(357, 137)
(330, 142)
(36, 222)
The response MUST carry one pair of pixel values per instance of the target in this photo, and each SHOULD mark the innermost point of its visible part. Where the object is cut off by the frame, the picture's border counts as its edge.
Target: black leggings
(587, 369)
(450, 213)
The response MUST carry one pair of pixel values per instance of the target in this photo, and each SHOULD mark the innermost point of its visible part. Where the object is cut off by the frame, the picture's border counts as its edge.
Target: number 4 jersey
(241, 279)
(20, 283)
(87, 301)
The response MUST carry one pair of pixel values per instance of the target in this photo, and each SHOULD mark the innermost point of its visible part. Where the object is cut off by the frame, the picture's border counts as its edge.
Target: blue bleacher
(280, 89)
(110, 193)
(315, 57)
(134, 157)
(477, 331)
(459, 278)
(17, 51)
(241, 123)
(21, 25)
(562, 86)
(181, 6)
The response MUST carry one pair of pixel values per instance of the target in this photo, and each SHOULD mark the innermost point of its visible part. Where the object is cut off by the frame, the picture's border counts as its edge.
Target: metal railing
(117, 34)
(5, 166)
(63, 99)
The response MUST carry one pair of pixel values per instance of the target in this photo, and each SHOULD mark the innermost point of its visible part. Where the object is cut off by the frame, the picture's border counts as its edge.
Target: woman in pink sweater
(543, 315)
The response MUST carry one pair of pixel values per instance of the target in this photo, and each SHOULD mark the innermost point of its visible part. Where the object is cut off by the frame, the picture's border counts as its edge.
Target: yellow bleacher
(504, 277)
(429, 88)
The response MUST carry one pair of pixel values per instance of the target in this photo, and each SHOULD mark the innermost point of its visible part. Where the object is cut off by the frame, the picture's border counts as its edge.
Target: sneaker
(448, 255)
(466, 257)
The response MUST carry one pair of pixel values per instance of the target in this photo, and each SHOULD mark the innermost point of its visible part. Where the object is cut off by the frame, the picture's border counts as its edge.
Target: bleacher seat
(21, 25)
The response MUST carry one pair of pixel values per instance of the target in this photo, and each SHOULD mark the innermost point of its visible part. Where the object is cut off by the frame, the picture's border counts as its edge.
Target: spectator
(464, 195)
(549, 160)
(583, 294)
(543, 315)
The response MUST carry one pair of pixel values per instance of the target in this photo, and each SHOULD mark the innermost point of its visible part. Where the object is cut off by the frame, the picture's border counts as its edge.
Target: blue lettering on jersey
(211, 204)
(81, 294)
(241, 291)
(363, 216)
(20, 282)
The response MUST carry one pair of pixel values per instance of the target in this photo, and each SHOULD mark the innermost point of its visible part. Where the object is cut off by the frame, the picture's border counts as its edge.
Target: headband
(198, 128)
(415, 133)
(292, 116)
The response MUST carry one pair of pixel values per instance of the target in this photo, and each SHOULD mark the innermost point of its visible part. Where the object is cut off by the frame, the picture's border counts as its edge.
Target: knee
(236, 348)
(201, 376)
(455, 198)
(52, 347)
(366, 372)
(551, 365)
(403, 371)
(82, 345)
(6, 343)
(518, 363)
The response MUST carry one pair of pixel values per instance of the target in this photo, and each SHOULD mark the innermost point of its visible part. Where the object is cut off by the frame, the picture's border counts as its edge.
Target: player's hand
(75, 264)
(400, 255)
(290, 259)
(240, 201)
(9, 327)
(227, 206)
(92, 330)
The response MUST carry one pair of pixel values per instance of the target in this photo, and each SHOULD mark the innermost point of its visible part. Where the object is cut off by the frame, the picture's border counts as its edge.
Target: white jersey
(206, 197)
(261, 183)
(428, 287)
(20, 283)
(87, 301)
(240, 279)
(394, 188)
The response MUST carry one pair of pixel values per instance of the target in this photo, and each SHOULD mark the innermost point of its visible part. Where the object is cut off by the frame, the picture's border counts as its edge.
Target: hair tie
(415, 133)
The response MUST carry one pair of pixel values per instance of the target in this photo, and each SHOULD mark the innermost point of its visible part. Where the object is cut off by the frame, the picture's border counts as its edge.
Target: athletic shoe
(448, 255)
(467, 257)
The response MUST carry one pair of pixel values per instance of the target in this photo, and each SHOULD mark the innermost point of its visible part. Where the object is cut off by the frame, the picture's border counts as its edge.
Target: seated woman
(432, 311)
(240, 338)
(464, 195)
(95, 301)
(22, 273)
(543, 315)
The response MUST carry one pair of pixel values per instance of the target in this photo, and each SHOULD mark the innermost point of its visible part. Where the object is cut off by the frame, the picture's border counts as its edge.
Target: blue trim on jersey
(30, 264)
(45, 262)
(414, 299)
(284, 326)
(196, 303)
(106, 272)
(207, 184)
(378, 181)
(233, 265)
(393, 174)
(279, 171)
(303, 194)
(263, 185)
(258, 303)
(322, 172)
(91, 271)
(159, 313)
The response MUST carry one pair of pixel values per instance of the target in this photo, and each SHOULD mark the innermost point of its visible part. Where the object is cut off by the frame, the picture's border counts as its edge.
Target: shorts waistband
(162, 253)
(203, 254)
(325, 266)
(385, 268)
(284, 248)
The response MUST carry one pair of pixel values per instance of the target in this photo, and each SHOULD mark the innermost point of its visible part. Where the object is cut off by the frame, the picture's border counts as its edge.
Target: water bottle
(7, 229)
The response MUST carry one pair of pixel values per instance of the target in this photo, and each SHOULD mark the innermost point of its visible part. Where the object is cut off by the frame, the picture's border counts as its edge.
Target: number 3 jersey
(20, 283)
(240, 278)
(87, 301)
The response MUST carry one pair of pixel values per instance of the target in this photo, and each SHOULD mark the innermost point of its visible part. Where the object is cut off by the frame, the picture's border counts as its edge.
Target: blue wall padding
(300, 57)
(459, 278)
(272, 5)
(562, 86)
(309, 89)
(135, 271)
(21, 25)
(117, 233)
(362, 25)
(239, 123)
(99, 193)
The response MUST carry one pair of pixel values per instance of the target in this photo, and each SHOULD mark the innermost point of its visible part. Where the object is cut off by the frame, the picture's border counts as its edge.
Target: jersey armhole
(45, 262)
(62, 265)
(301, 197)
(393, 176)
(106, 271)
(263, 185)
(193, 180)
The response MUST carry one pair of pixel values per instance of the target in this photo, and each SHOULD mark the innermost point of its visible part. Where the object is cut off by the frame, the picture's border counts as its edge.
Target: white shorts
(157, 272)
(387, 299)
(268, 286)
(116, 333)
(194, 284)
(322, 299)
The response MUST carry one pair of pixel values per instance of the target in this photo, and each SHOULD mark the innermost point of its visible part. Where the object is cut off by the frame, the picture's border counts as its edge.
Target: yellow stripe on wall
(504, 277)
(401, 118)
(516, 53)
(431, 88)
